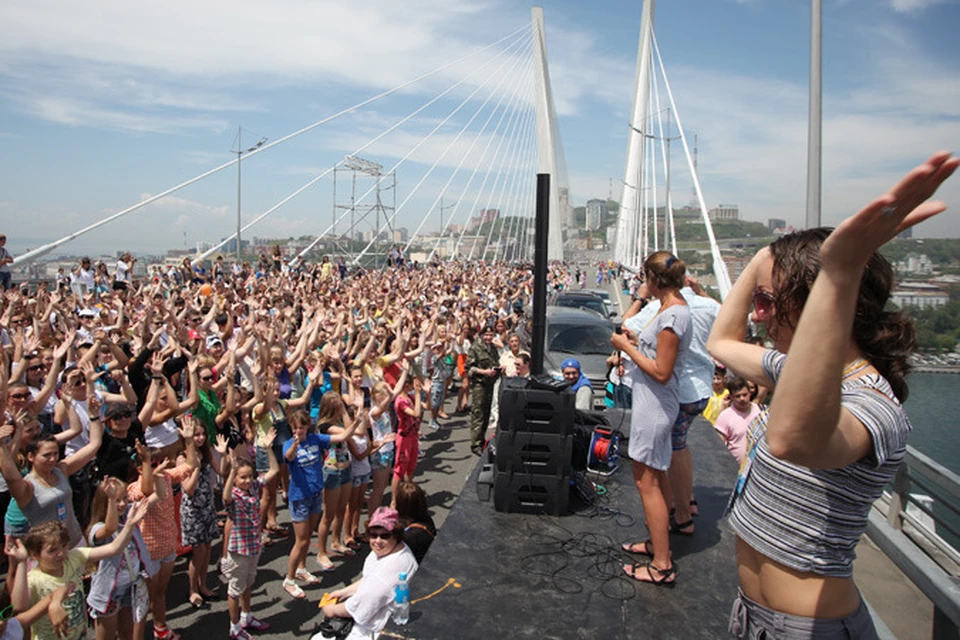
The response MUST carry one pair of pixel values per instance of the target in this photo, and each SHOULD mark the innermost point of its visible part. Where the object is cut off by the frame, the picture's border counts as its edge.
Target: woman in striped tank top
(836, 431)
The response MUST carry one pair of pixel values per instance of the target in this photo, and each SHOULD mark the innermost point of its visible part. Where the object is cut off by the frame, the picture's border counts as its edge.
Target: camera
(619, 329)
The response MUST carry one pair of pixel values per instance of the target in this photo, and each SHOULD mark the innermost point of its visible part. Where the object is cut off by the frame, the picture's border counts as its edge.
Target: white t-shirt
(123, 271)
(370, 606)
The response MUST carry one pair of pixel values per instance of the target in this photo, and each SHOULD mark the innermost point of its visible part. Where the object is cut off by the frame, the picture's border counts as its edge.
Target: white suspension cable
(511, 200)
(664, 142)
(397, 210)
(514, 115)
(511, 147)
(719, 267)
(392, 128)
(509, 108)
(653, 182)
(517, 201)
(469, 152)
(47, 248)
(516, 143)
(327, 172)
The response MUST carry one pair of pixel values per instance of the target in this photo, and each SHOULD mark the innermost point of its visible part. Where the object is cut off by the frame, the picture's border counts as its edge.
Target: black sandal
(668, 577)
(694, 508)
(678, 528)
(645, 548)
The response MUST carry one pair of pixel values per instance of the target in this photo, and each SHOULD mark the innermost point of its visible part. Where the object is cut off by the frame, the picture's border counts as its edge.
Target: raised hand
(270, 437)
(143, 452)
(137, 513)
(222, 445)
(188, 427)
(15, 550)
(908, 203)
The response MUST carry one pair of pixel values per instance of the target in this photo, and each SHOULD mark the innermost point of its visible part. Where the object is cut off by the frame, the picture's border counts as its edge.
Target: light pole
(240, 151)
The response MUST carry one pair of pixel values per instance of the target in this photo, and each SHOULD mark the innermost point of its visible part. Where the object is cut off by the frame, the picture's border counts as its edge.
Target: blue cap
(570, 363)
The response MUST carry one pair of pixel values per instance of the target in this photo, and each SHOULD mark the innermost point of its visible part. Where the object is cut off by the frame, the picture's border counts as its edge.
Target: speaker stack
(533, 448)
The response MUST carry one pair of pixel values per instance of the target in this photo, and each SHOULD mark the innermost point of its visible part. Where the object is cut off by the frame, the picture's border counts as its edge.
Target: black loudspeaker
(534, 448)
(523, 408)
(531, 493)
(532, 452)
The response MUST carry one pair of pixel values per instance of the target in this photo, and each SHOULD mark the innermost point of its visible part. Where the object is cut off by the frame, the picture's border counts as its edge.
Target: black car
(582, 300)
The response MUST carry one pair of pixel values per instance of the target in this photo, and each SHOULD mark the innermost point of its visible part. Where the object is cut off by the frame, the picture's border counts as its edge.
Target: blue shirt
(306, 468)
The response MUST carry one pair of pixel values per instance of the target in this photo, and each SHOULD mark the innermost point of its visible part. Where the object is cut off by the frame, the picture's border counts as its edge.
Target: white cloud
(911, 6)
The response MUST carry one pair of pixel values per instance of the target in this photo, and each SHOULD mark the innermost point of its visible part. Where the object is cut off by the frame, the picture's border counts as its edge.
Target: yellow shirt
(75, 605)
(715, 406)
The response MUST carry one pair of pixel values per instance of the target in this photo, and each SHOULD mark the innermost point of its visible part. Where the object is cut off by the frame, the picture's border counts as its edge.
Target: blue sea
(936, 427)
(935, 430)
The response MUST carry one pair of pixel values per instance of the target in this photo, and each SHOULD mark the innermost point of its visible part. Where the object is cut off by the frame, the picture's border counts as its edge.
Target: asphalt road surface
(443, 468)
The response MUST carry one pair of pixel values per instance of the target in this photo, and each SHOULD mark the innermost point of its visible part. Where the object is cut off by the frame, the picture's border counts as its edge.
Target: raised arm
(807, 424)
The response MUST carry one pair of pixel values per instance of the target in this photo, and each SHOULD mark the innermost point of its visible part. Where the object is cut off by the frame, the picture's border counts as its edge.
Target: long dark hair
(886, 337)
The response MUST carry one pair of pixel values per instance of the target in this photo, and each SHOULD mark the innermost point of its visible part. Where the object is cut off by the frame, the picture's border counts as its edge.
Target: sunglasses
(20, 396)
(121, 416)
(379, 536)
(36, 367)
(762, 303)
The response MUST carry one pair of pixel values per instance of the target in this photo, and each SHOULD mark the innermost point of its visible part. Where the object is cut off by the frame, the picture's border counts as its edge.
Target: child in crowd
(118, 596)
(720, 398)
(241, 495)
(361, 449)
(304, 454)
(382, 436)
(48, 544)
(733, 422)
(409, 409)
(51, 605)
(157, 479)
(334, 420)
(198, 513)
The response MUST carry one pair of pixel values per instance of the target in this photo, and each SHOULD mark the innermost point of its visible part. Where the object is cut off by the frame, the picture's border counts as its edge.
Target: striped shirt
(811, 519)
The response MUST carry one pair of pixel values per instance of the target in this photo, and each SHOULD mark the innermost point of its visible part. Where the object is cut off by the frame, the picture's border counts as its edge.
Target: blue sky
(102, 103)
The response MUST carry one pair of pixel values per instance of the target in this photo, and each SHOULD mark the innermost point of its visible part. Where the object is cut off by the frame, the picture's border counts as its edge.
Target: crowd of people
(307, 385)
(211, 398)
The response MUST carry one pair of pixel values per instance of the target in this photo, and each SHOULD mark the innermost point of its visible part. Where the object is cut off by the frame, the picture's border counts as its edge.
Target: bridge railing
(910, 523)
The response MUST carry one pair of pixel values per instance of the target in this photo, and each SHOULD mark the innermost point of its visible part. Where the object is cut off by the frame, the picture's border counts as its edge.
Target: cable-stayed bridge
(460, 165)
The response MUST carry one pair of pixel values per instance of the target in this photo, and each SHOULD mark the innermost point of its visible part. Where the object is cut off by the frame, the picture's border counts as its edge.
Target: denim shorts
(362, 478)
(382, 460)
(301, 510)
(122, 598)
(436, 394)
(689, 411)
(263, 460)
(335, 478)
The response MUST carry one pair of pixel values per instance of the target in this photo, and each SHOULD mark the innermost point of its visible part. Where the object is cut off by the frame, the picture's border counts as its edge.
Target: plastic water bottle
(401, 601)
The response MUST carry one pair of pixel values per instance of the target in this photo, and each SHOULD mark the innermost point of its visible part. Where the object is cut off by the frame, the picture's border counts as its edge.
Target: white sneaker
(434, 425)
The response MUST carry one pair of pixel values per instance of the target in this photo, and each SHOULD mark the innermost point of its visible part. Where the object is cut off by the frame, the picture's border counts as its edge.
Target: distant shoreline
(931, 368)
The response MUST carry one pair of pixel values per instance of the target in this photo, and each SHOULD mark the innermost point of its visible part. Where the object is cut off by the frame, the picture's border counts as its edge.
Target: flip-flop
(326, 567)
(346, 552)
(305, 576)
(443, 415)
(667, 577)
(293, 589)
(353, 544)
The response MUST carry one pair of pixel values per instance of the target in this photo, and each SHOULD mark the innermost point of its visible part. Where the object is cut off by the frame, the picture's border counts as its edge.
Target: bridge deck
(537, 576)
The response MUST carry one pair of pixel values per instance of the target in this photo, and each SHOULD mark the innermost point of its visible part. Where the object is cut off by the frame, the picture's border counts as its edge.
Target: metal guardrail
(916, 547)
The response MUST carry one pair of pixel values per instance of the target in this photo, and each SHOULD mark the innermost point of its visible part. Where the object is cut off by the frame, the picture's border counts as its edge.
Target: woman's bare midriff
(777, 587)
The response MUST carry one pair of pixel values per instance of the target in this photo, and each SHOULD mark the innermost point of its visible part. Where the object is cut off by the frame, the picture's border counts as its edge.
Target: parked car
(581, 334)
(581, 300)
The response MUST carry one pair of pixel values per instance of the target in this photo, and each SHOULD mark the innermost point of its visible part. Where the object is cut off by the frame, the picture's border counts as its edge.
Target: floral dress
(198, 514)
